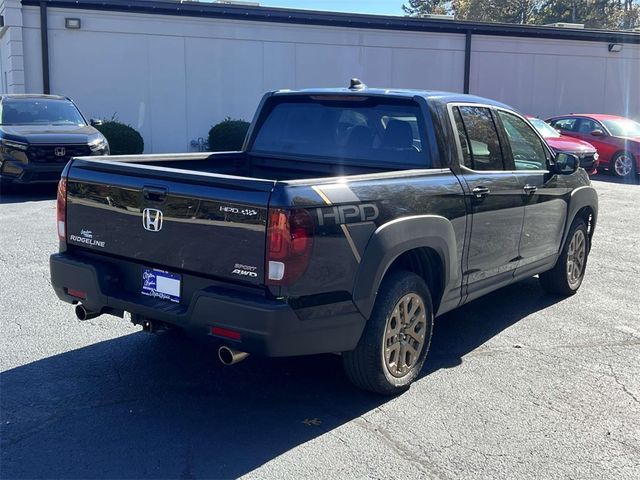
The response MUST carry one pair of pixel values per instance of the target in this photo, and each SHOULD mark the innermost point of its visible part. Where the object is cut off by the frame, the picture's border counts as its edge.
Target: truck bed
(212, 208)
(242, 164)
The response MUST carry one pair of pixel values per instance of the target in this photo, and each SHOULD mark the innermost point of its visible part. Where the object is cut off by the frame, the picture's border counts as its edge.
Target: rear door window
(462, 137)
(478, 137)
(586, 126)
(567, 124)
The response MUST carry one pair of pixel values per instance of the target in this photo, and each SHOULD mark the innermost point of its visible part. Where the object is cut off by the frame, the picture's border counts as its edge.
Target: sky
(381, 7)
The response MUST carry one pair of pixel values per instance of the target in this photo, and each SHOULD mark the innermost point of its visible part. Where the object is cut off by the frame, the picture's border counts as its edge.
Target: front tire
(623, 165)
(566, 276)
(396, 339)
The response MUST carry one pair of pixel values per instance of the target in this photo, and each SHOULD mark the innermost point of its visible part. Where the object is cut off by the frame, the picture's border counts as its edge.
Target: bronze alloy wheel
(394, 344)
(576, 257)
(404, 335)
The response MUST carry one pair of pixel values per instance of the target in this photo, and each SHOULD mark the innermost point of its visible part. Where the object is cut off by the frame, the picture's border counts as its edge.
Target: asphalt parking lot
(519, 384)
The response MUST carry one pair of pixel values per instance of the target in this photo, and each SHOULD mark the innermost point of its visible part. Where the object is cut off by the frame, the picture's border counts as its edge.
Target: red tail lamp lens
(290, 240)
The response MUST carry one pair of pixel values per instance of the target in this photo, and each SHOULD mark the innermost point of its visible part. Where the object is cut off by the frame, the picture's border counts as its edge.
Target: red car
(617, 139)
(561, 143)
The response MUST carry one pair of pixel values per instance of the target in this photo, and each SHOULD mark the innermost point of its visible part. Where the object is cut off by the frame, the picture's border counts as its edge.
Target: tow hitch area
(149, 325)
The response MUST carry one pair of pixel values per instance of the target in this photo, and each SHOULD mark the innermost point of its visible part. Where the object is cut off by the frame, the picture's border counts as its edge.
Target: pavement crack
(399, 449)
(339, 438)
(622, 384)
(628, 445)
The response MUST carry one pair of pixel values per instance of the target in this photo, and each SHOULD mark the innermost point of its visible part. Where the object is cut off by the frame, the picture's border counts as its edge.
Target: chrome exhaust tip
(149, 326)
(83, 314)
(229, 356)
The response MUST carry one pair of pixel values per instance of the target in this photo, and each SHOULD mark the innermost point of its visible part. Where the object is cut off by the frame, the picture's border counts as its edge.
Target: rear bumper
(267, 327)
(19, 173)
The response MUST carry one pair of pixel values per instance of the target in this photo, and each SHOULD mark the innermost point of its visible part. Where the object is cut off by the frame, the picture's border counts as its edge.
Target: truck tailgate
(170, 219)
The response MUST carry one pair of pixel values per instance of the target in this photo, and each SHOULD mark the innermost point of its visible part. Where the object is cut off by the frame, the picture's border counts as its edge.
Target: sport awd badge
(152, 219)
(245, 270)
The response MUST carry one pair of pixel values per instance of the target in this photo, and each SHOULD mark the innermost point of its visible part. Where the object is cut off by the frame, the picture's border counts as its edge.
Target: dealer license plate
(160, 284)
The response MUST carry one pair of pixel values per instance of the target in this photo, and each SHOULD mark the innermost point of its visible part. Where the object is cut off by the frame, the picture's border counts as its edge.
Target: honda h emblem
(59, 151)
(152, 219)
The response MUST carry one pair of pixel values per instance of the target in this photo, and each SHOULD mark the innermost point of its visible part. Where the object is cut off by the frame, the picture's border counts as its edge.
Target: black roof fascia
(351, 20)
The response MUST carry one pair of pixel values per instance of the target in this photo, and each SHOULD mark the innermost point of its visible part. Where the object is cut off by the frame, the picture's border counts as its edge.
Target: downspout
(44, 44)
(467, 60)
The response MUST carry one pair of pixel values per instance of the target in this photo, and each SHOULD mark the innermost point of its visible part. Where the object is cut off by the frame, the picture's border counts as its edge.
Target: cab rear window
(369, 130)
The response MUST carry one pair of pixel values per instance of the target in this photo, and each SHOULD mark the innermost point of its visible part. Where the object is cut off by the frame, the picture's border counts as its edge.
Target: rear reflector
(276, 270)
(61, 209)
(77, 293)
(225, 333)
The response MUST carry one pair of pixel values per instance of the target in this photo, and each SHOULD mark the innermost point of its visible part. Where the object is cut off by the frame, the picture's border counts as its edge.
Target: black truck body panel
(268, 326)
(204, 228)
(366, 217)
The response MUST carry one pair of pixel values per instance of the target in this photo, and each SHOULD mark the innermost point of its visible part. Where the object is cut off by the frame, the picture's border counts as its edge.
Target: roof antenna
(356, 84)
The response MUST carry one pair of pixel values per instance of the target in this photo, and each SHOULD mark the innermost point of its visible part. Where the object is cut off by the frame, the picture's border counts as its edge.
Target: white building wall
(11, 48)
(173, 77)
(546, 77)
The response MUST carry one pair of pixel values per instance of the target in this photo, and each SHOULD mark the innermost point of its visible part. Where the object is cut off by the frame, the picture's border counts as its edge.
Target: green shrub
(228, 135)
(123, 139)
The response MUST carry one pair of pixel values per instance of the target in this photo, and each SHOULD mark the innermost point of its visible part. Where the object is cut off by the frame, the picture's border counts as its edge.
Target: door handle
(530, 189)
(480, 192)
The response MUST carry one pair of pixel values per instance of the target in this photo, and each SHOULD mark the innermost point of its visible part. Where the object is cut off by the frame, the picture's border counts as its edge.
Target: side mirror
(95, 122)
(597, 133)
(566, 163)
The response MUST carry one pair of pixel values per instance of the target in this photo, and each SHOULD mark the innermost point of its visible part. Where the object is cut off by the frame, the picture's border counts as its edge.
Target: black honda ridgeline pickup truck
(349, 220)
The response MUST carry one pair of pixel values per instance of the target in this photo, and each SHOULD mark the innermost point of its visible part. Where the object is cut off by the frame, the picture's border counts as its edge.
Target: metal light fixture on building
(615, 47)
(438, 16)
(72, 23)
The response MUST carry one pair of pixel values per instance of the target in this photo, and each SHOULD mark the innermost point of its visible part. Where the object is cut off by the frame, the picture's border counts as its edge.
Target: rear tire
(396, 339)
(566, 276)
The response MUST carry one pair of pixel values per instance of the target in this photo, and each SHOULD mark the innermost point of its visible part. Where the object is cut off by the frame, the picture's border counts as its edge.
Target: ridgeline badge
(86, 237)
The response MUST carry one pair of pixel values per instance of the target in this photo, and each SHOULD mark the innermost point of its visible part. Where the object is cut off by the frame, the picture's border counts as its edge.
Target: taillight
(61, 209)
(289, 242)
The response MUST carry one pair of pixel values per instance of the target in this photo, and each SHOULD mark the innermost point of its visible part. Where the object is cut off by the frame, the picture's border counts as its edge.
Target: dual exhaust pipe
(227, 355)
(84, 314)
(230, 356)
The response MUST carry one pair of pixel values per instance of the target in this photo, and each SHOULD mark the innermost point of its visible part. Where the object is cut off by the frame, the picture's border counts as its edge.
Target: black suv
(38, 136)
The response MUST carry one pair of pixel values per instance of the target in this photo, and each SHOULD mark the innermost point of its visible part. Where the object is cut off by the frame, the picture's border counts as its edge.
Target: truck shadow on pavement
(27, 193)
(142, 406)
(461, 331)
